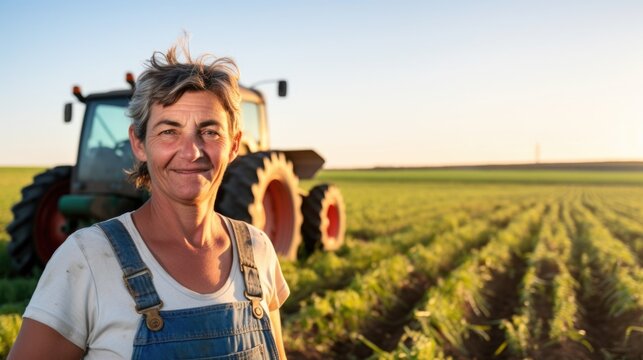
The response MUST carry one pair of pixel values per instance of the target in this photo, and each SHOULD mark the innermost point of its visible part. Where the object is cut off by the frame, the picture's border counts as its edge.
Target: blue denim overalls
(238, 330)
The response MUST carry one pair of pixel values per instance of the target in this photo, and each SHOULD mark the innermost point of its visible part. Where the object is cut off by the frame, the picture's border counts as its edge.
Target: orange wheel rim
(278, 214)
(332, 230)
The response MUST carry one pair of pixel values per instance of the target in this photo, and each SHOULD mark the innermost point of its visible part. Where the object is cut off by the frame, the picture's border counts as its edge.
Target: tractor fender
(306, 162)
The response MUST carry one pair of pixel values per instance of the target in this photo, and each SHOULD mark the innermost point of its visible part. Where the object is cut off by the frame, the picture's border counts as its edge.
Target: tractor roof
(247, 94)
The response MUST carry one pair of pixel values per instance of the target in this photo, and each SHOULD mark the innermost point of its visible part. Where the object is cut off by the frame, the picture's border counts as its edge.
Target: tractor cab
(104, 152)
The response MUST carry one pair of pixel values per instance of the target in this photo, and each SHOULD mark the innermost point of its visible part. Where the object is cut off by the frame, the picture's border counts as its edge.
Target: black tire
(263, 190)
(324, 223)
(36, 230)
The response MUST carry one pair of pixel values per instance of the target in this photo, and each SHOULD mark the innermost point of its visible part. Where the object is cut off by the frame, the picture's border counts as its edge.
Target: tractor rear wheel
(38, 228)
(263, 190)
(324, 219)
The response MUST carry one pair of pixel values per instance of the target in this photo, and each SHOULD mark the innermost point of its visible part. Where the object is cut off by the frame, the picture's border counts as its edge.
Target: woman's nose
(191, 148)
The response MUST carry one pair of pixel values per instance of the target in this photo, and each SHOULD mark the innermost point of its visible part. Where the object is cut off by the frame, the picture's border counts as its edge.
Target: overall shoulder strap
(136, 275)
(248, 266)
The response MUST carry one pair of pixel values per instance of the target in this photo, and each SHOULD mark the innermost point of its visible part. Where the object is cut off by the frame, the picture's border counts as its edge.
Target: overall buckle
(126, 279)
(257, 310)
(153, 318)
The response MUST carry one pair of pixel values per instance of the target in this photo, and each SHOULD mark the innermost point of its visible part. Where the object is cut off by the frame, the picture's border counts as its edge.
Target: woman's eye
(209, 133)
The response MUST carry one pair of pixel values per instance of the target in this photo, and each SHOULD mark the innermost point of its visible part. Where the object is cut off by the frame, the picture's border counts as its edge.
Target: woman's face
(187, 148)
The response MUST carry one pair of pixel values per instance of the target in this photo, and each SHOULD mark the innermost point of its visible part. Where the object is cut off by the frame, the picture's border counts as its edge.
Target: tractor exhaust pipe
(78, 94)
(129, 78)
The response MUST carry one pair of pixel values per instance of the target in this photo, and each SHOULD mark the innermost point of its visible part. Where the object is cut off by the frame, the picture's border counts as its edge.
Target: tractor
(260, 187)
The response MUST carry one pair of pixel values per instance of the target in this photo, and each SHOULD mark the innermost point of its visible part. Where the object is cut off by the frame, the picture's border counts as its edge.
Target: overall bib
(238, 330)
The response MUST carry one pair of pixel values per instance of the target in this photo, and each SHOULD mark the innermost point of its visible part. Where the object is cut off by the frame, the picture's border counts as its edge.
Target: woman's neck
(197, 225)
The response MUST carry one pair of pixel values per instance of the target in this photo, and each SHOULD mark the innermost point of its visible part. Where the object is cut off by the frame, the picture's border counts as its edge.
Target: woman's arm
(275, 320)
(38, 341)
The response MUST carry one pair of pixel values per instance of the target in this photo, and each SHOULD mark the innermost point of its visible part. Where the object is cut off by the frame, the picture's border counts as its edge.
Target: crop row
(612, 287)
(384, 209)
(549, 317)
(327, 270)
(614, 260)
(441, 323)
(557, 318)
(323, 270)
(341, 315)
(628, 230)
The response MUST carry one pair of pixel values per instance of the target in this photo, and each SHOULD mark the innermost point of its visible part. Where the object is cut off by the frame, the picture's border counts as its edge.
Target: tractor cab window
(251, 120)
(105, 149)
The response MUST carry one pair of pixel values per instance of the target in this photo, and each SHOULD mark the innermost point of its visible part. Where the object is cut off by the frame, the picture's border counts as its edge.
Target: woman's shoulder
(258, 235)
(91, 240)
(261, 244)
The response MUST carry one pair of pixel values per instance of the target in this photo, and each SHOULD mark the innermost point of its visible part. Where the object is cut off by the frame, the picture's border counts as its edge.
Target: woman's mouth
(190, 171)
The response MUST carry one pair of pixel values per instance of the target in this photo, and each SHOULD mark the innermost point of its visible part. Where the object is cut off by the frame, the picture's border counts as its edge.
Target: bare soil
(605, 332)
(387, 330)
(501, 293)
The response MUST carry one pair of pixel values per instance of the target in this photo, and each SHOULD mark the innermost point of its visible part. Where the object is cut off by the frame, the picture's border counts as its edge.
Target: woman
(172, 279)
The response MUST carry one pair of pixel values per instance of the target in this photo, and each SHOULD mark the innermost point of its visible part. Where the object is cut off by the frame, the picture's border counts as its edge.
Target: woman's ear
(138, 145)
(234, 149)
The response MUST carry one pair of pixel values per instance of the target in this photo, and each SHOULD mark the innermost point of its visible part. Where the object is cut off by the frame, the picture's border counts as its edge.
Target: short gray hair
(166, 79)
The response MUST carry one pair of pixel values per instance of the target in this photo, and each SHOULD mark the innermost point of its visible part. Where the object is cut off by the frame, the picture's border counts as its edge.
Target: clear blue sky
(372, 82)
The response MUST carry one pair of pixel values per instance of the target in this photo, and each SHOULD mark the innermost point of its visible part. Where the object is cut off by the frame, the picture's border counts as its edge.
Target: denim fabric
(246, 257)
(224, 331)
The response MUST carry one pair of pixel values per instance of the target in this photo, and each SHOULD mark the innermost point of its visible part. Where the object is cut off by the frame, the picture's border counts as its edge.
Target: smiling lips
(190, 171)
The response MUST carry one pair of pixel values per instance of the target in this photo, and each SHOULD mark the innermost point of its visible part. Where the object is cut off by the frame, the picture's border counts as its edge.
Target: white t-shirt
(81, 293)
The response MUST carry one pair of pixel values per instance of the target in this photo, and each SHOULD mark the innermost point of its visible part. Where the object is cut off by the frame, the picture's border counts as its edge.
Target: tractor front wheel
(38, 228)
(324, 218)
(263, 190)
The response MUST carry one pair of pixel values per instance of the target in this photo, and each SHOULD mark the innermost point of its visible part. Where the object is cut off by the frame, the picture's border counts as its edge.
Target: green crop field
(506, 264)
